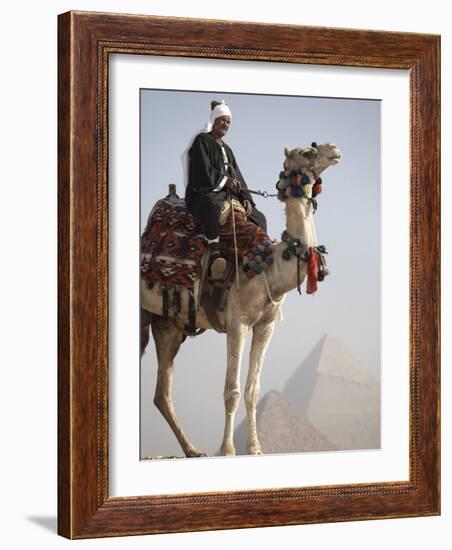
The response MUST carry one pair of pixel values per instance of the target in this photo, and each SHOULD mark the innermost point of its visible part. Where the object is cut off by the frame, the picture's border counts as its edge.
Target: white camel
(255, 305)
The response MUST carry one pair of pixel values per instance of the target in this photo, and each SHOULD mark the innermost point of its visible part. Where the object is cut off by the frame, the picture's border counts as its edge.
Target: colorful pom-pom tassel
(286, 254)
(308, 190)
(316, 189)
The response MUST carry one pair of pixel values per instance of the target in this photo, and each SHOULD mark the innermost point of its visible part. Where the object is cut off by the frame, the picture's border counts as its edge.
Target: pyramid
(337, 395)
(281, 429)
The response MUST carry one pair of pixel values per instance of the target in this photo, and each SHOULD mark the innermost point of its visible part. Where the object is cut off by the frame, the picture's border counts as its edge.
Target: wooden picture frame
(85, 42)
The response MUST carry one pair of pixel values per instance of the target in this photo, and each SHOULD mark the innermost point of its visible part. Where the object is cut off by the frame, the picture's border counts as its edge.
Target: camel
(255, 305)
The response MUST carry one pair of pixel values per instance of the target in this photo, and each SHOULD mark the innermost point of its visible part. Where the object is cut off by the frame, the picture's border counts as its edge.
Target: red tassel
(313, 272)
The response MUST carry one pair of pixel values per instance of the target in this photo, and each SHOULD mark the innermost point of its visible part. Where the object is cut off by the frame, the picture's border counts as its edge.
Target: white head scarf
(220, 110)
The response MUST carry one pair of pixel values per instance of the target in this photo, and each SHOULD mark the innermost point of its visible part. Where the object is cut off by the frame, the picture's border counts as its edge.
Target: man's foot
(217, 268)
(217, 262)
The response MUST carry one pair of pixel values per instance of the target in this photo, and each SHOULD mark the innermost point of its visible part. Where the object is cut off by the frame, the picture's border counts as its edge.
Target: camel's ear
(310, 153)
(286, 151)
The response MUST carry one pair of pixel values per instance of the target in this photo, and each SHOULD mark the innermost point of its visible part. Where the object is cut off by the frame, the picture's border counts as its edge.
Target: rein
(300, 189)
(264, 194)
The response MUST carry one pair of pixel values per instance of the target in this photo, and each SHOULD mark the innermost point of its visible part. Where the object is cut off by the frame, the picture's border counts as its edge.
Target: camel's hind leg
(145, 321)
(168, 339)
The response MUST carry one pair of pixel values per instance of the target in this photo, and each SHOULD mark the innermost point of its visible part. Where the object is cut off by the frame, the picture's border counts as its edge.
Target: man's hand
(233, 185)
(248, 207)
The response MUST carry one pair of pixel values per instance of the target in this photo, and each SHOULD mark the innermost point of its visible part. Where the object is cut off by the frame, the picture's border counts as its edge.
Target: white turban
(220, 110)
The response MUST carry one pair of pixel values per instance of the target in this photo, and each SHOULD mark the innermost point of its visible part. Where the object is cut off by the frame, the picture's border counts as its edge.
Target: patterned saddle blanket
(173, 245)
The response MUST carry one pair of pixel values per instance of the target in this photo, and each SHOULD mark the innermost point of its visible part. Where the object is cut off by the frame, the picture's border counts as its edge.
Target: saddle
(175, 255)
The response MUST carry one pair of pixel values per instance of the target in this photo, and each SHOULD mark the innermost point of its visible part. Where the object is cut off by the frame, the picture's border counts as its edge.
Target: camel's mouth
(335, 157)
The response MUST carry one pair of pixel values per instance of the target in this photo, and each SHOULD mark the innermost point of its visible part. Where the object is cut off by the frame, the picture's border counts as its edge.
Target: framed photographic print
(248, 275)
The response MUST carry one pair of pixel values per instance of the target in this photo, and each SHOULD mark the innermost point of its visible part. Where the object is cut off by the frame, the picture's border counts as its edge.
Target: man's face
(221, 125)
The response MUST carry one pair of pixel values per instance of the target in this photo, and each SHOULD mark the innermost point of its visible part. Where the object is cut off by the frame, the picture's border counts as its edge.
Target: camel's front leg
(261, 338)
(237, 332)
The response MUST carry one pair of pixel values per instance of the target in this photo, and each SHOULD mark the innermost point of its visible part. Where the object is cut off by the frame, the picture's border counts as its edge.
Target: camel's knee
(162, 395)
(231, 399)
(161, 401)
(251, 398)
(158, 400)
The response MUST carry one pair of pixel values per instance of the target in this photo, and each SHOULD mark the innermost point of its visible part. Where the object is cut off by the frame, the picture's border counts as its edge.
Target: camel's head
(302, 168)
(314, 159)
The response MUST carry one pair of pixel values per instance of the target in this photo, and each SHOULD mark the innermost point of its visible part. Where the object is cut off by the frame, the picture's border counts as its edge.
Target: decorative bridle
(292, 183)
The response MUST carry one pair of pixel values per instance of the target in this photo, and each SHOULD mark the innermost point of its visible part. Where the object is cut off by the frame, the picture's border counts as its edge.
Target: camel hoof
(194, 453)
(255, 450)
(227, 450)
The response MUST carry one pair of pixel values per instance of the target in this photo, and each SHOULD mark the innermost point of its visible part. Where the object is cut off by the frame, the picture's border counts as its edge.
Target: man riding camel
(213, 178)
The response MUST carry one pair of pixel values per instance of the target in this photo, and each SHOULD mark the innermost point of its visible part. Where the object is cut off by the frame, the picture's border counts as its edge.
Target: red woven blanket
(248, 236)
(172, 245)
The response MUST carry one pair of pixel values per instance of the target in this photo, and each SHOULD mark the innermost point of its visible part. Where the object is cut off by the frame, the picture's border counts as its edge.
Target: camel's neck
(300, 222)
(282, 276)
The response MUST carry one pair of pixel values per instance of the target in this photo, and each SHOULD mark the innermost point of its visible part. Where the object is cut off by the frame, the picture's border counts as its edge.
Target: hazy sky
(347, 304)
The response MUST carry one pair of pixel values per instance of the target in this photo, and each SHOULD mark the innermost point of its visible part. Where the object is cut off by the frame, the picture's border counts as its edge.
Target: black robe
(207, 170)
